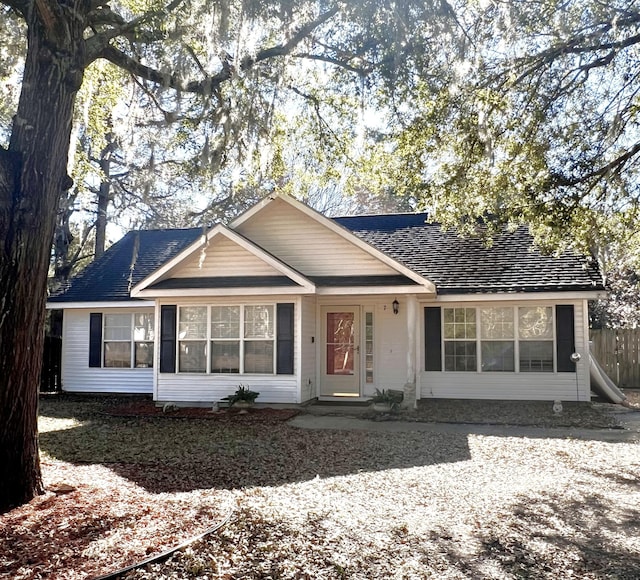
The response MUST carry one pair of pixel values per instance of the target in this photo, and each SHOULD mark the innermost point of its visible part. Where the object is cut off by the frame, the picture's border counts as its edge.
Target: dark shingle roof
(464, 265)
(453, 264)
(112, 276)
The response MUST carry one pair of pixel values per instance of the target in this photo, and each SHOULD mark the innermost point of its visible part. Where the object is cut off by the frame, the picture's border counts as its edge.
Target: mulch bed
(146, 408)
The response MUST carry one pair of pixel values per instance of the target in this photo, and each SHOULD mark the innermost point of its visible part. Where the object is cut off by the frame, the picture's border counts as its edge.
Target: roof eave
(467, 295)
(76, 304)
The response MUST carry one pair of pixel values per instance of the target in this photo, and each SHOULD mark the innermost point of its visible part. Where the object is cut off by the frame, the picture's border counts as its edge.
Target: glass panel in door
(342, 352)
(340, 346)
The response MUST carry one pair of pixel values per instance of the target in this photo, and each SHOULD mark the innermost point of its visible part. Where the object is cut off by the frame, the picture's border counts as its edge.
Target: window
(192, 339)
(258, 339)
(368, 346)
(535, 331)
(493, 339)
(497, 347)
(233, 339)
(128, 340)
(460, 350)
(143, 340)
(225, 339)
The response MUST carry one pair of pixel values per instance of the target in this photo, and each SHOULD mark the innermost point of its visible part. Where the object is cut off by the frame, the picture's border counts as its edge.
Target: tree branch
(287, 47)
(207, 85)
(96, 44)
(203, 87)
(602, 171)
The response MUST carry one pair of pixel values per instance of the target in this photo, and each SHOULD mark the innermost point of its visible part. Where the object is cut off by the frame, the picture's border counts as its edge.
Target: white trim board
(101, 305)
(522, 296)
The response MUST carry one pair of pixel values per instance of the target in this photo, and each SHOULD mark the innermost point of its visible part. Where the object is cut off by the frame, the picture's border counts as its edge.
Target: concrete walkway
(630, 432)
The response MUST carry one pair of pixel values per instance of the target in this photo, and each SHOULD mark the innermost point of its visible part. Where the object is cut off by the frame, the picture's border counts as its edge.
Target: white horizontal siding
(514, 386)
(501, 386)
(306, 245)
(201, 388)
(78, 377)
(224, 258)
(390, 348)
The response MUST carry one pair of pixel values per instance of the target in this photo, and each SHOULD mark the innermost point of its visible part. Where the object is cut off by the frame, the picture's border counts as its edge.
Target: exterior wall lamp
(396, 306)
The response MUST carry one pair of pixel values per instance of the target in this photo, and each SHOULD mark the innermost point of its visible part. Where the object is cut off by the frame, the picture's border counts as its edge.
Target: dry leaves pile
(320, 504)
(503, 508)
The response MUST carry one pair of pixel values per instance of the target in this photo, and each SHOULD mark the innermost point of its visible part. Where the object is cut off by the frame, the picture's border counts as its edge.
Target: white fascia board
(204, 292)
(247, 215)
(221, 230)
(101, 305)
(376, 290)
(341, 231)
(523, 296)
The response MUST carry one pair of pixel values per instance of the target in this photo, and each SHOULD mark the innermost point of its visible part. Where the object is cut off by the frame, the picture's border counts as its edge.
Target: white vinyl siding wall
(224, 257)
(309, 247)
(194, 388)
(390, 347)
(547, 386)
(77, 377)
(210, 388)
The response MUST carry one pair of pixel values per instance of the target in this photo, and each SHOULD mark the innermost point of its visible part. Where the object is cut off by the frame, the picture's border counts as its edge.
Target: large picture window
(231, 339)
(496, 339)
(128, 340)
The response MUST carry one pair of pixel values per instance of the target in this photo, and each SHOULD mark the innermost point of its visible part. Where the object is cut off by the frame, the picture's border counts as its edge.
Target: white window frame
(512, 339)
(517, 340)
(131, 340)
(242, 339)
(180, 340)
(369, 343)
(552, 340)
(465, 339)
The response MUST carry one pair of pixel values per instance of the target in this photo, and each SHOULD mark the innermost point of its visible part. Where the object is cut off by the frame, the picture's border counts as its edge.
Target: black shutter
(432, 339)
(284, 340)
(168, 338)
(95, 339)
(565, 335)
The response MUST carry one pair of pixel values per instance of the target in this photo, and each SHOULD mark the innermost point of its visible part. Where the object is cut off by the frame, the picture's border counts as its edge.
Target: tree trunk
(104, 197)
(33, 174)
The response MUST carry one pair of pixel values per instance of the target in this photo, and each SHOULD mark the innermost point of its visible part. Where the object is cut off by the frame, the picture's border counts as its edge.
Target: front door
(341, 356)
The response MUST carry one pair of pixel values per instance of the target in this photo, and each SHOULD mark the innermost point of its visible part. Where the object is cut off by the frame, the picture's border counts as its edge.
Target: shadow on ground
(170, 455)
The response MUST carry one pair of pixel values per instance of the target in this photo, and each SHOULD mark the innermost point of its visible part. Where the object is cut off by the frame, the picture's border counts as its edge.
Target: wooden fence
(618, 352)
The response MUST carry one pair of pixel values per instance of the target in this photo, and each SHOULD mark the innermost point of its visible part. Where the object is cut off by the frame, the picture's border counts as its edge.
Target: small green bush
(244, 393)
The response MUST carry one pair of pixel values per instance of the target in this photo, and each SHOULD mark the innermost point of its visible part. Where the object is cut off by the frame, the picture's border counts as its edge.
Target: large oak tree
(537, 123)
(182, 48)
